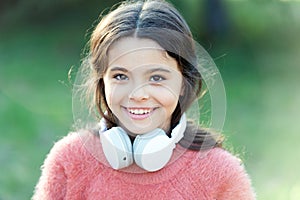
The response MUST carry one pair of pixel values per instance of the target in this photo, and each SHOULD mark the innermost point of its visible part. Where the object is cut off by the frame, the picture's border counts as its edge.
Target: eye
(120, 77)
(157, 78)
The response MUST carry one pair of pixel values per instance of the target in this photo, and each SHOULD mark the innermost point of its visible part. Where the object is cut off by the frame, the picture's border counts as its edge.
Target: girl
(142, 77)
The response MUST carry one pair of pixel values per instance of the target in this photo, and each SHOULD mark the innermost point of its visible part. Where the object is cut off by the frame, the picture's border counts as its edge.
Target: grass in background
(260, 76)
(35, 101)
(262, 125)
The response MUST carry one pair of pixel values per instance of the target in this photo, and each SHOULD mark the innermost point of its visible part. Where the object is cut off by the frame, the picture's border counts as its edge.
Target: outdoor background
(255, 44)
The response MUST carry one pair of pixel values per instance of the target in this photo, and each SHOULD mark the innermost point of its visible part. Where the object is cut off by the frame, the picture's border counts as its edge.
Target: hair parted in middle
(159, 21)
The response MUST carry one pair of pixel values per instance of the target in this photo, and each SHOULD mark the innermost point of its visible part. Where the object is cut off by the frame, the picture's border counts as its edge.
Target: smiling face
(142, 85)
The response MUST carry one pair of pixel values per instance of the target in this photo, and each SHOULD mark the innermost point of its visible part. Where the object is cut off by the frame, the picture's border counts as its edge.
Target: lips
(139, 113)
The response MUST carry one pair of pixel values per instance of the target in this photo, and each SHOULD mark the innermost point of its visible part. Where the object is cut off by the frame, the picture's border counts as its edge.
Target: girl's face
(142, 85)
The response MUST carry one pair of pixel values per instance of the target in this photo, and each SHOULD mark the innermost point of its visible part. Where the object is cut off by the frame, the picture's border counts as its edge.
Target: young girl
(143, 78)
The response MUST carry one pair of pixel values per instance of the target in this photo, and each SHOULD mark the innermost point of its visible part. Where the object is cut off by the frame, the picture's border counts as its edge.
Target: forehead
(131, 51)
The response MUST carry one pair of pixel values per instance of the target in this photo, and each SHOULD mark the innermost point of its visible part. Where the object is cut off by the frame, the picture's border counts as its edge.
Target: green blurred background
(255, 44)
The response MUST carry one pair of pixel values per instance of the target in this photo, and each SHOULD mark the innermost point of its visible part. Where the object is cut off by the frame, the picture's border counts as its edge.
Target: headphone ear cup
(153, 150)
(117, 147)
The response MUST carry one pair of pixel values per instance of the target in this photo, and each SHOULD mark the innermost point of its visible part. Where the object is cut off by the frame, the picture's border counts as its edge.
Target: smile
(139, 111)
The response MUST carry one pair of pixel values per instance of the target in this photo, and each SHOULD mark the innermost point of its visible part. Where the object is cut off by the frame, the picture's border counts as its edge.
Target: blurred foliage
(254, 43)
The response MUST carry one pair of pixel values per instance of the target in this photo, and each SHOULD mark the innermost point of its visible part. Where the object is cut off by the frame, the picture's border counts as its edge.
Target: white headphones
(150, 151)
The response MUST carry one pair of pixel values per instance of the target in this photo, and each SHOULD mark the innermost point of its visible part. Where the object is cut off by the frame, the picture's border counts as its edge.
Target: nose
(139, 93)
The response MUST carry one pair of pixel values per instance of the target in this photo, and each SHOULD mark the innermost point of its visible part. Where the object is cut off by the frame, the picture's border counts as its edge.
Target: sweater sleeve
(234, 182)
(52, 183)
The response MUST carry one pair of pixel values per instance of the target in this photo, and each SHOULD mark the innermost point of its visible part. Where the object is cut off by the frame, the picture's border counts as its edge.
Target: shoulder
(69, 161)
(215, 161)
(70, 148)
(222, 159)
(226, 174)
(64, 145)
(220, 164)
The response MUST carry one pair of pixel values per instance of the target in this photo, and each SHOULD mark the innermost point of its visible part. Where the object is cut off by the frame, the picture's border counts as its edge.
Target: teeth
(139, 111)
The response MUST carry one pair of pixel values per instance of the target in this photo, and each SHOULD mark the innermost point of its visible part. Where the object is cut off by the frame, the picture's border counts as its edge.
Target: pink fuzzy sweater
(76, 169)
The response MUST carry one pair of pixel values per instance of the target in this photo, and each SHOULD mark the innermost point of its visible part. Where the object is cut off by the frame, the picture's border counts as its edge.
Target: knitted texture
(72, 171)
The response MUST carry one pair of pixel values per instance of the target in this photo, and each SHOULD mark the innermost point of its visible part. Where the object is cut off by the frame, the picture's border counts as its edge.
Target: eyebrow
(148, 71)
(119, 69)
(158, 69)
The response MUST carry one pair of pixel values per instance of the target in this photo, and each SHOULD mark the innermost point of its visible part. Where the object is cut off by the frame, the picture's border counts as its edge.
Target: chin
(134, 130)
(139, 130)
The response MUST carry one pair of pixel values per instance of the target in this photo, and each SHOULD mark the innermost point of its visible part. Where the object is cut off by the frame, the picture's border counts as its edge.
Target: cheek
(167, 97)
(114, 95)
(110, 93)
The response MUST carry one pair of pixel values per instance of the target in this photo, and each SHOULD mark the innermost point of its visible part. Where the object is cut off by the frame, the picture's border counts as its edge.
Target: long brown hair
(161, 22)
